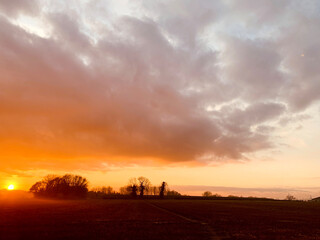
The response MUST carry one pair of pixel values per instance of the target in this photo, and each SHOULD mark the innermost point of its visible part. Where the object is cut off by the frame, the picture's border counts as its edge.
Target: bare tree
(104, 190)
(107, 190)
(144, 185)
(154, 190)
(124, 190)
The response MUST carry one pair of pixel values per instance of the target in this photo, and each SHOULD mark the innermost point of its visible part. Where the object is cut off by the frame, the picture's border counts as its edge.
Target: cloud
(14, 7)
(170, 82)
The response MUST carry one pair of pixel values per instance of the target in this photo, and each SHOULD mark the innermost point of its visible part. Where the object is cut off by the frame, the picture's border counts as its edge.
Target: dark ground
(156, 219)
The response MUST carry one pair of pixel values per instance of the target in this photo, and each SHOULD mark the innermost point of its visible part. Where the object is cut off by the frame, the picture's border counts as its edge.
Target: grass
(158, 219)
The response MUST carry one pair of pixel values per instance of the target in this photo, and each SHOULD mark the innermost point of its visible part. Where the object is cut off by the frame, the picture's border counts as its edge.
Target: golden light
(11, 187)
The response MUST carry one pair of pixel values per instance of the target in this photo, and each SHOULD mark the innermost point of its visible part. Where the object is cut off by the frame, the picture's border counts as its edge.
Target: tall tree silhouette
(163, 189)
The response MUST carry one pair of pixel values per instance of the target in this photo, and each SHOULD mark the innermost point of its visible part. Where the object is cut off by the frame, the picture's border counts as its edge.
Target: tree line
(67, 186)
(75, 186)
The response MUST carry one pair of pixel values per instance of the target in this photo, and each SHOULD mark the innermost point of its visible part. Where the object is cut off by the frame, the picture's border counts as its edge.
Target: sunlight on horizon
(11, 187)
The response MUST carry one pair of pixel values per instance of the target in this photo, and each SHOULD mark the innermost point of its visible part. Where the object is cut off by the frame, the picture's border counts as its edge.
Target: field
(159, 219)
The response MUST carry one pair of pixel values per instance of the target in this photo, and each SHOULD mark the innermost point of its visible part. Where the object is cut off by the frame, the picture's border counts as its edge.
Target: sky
(205, 95)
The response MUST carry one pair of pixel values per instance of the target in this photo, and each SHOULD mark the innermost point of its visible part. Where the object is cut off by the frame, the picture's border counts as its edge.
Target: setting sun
(11, 187)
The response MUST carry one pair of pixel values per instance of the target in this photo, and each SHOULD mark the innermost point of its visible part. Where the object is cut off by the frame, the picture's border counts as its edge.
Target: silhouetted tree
(134, 190)
(207, 194)
(67, 186)
(133, 187)
(144, 185)
(124, 190)
(173, 193)
(216, 195)
(102, 192)
(290, 197)
(106, 190)
(154, 190)
(162, 189)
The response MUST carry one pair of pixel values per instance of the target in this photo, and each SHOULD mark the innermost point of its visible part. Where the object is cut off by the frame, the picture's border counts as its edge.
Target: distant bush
(67, 186)
(207, 194)
(173, 193)
(290, 197)
(104, 190)
(233, 196)
(125, 190)
(216, 195)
